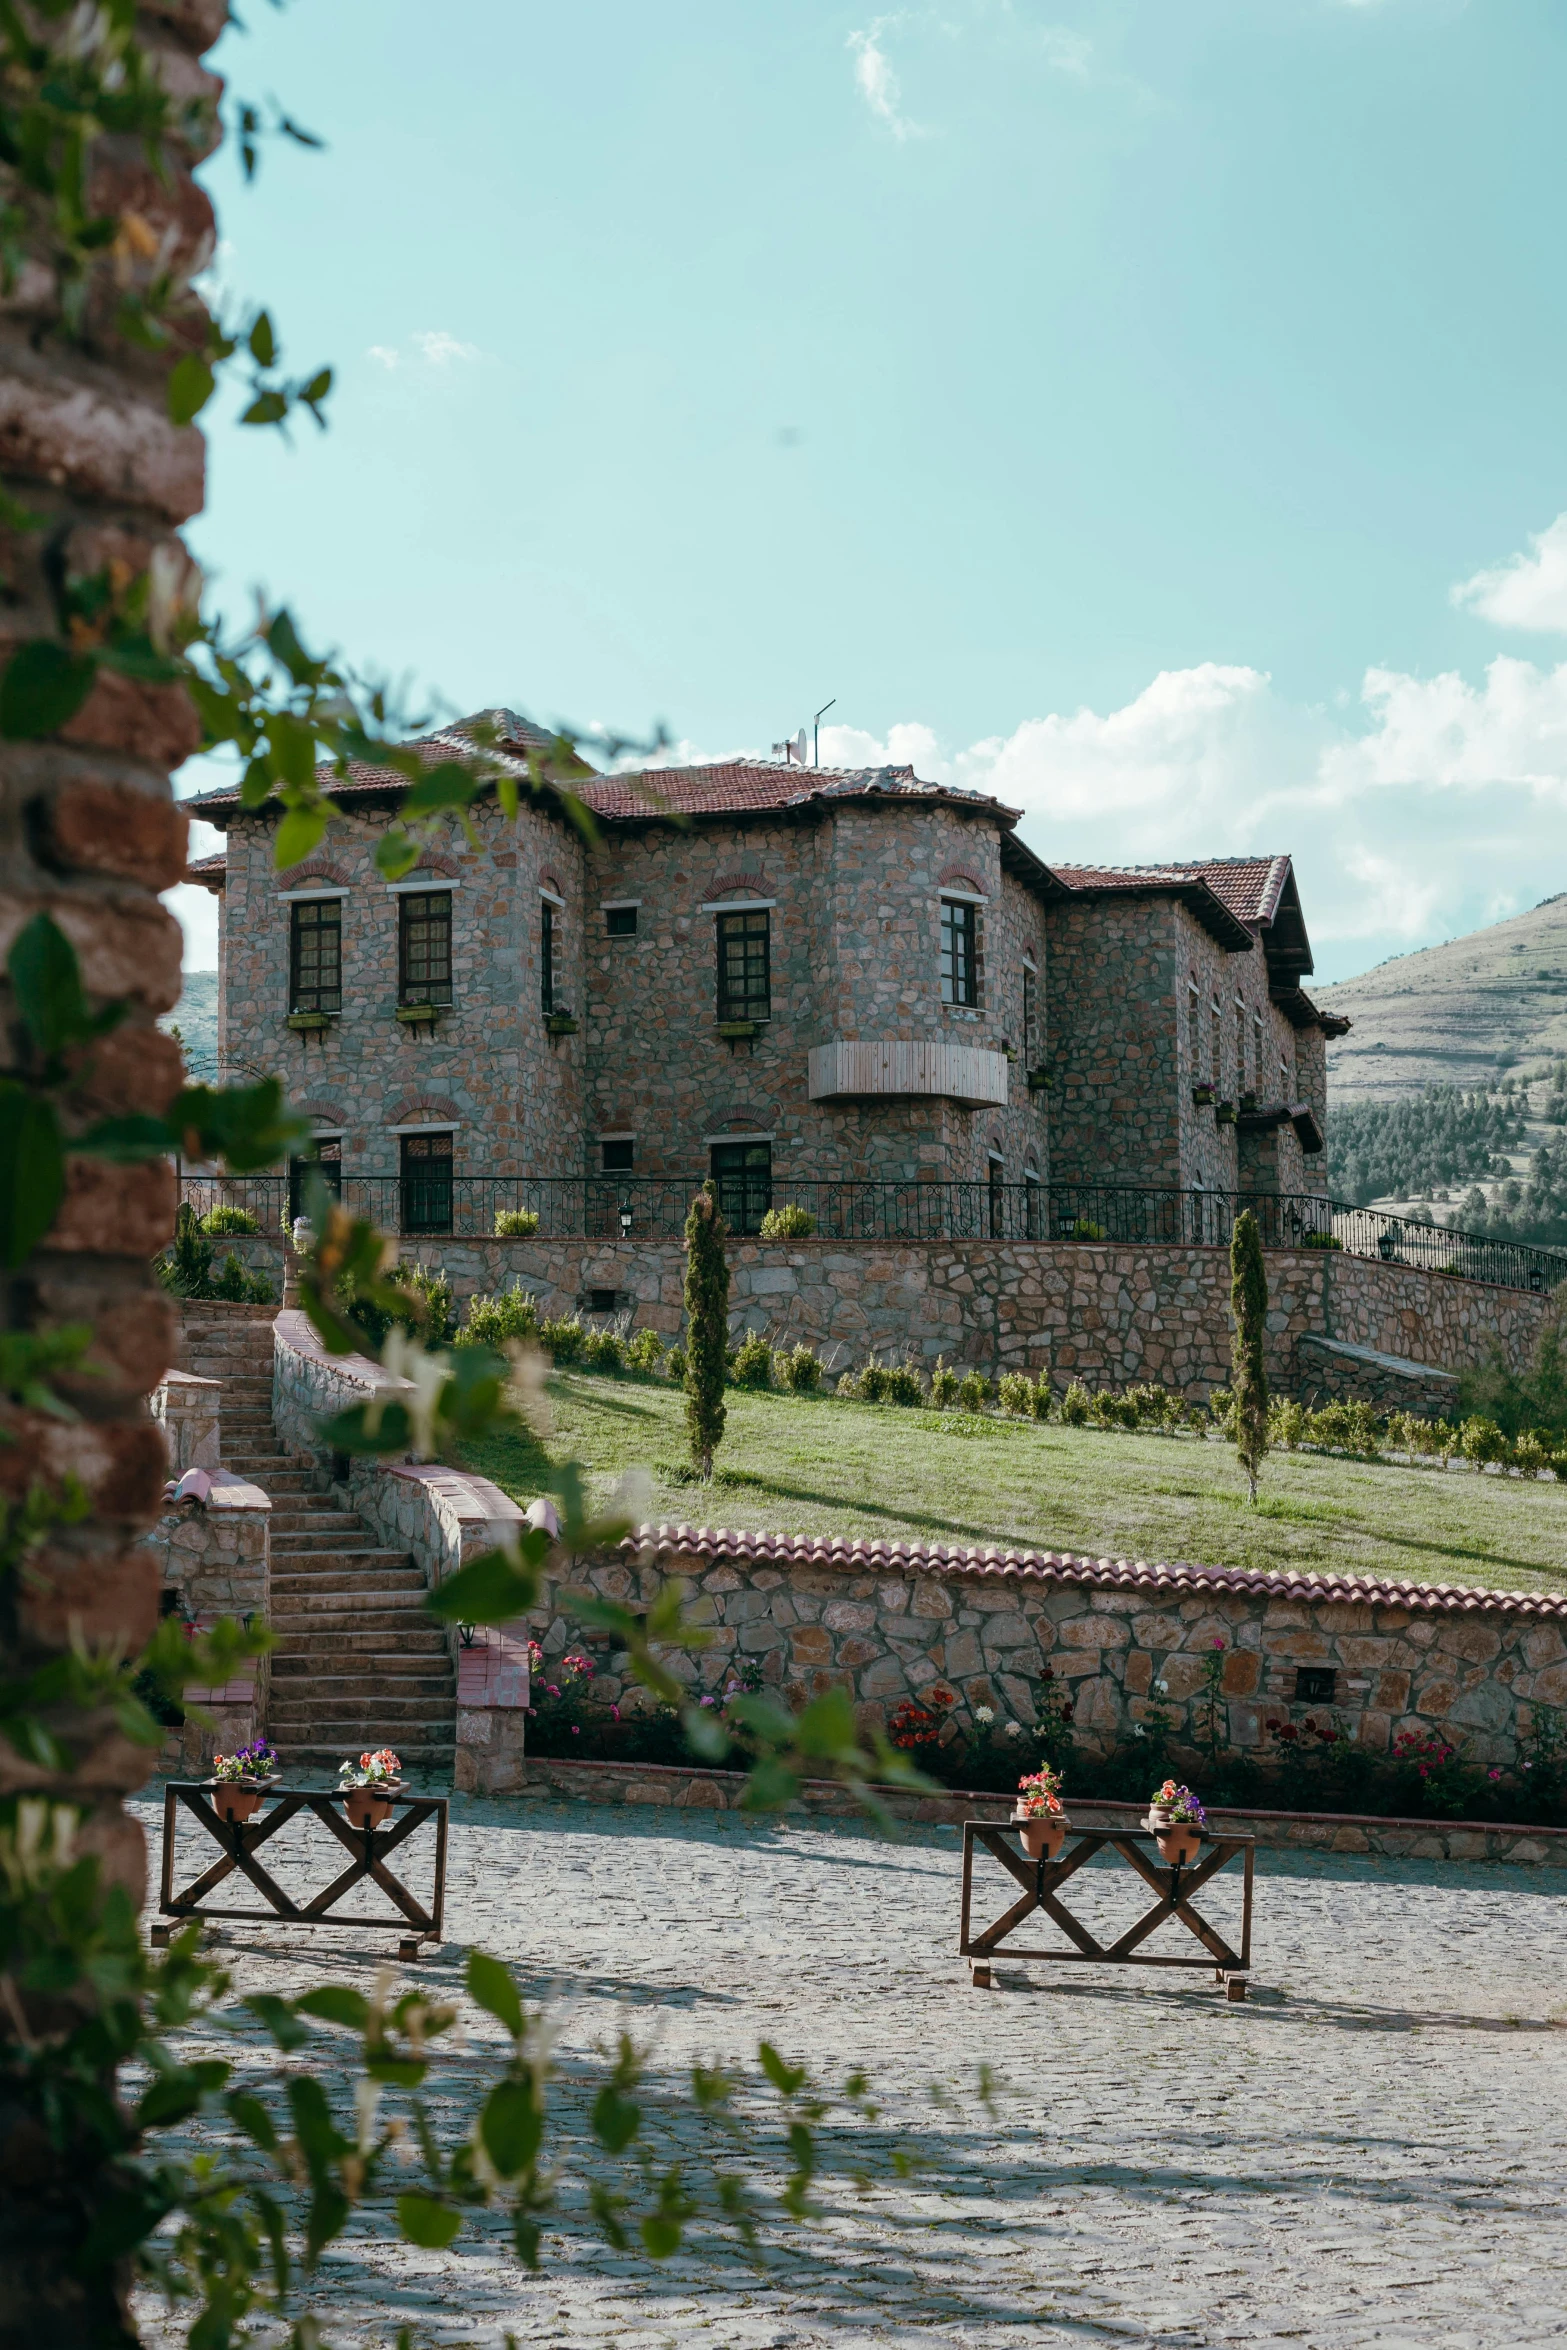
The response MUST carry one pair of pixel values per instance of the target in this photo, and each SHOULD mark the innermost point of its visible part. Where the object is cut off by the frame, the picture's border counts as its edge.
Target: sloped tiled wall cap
(839, 1554)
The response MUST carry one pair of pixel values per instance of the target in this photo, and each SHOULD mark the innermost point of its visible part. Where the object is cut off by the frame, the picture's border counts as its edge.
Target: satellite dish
(797, 747)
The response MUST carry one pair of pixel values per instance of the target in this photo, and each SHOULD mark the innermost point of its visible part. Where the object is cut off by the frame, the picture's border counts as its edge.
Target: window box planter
(309, 1023)
(739, 1031)
(560, 1024)
(1203, 1096)
(1224, 1113)
(420, 1015)
(1039, 1079)
(1248, 1102)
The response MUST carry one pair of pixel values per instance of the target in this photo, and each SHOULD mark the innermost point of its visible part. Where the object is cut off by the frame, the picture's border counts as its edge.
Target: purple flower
(576, 1733)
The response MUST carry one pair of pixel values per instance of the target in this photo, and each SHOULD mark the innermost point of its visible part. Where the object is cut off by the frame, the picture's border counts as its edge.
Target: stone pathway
(1370, 2151)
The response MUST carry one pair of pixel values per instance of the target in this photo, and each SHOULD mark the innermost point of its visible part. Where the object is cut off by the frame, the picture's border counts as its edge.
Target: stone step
(368, 1558)
(433, 1756)
(311, 1541)
(306, 1630)
(353, 1638)
(376, 1722)
(397, 1681)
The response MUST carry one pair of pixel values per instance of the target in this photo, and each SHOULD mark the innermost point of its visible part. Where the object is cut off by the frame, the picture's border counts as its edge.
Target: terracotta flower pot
(369, 1807)
(1180, 1843)
(1043, 1833)
(1160, 1817)
(233, 1800)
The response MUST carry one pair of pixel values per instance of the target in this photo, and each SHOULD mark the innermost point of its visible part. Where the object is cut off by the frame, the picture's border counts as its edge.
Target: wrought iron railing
(654, 1207)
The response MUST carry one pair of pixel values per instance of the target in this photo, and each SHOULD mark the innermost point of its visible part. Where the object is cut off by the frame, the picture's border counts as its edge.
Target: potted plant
(1224, 1113)
(1178, 1821)
(1204, 1095)
(1040, 1813)
(240, 1780)
(368, 1787)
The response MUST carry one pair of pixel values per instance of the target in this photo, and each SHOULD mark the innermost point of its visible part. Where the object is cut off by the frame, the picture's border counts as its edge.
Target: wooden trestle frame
(240, 1840)
(1042, 1880)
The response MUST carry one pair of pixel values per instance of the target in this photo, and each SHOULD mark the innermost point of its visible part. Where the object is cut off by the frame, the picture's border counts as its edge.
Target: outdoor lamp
(625, 1219)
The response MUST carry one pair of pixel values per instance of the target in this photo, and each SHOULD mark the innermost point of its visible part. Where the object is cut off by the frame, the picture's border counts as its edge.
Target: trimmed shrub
(224, 1218)
(944, 1384)
(676, 1363)
(798, 1369)
(1015, 1393)
(752, 1362)
(603, 1350)
(516, 1223)
(237, 1287)
(438, 1317)
(563, 1339)
(492, 1321)
(645, 1352)
(973, 1391)
(707, 1327)
(790, 1222)
(1331, 1240)
(1101, 1409)
(1041, 1397)
(1081, 1228)
(1287, 1425)
(1532, 1451)
(1076, 1405)
(1481, 1441)
(901, 1383)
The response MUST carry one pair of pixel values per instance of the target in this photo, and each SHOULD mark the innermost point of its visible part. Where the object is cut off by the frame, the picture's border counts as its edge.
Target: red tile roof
(1250, 887)
(839, 1554)
(734, 786)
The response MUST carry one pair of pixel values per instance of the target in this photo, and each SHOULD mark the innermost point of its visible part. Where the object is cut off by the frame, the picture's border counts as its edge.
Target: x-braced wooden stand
(240, 1840)
(1042, 1880)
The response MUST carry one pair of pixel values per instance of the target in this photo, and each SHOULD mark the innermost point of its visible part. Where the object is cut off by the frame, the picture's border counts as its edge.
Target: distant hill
(196, 1018)
(1463, 1014)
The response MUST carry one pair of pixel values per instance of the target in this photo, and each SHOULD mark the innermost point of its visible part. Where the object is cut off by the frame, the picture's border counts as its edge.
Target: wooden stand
(1042, 1880)
(239, 1841)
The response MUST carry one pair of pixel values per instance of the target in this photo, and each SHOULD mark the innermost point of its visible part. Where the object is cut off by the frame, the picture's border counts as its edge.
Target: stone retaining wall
(1013, 1630)
(683, 1789)
(214, 1557)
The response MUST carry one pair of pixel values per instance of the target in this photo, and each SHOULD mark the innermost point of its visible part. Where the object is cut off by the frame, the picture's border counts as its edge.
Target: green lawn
(812, 1465)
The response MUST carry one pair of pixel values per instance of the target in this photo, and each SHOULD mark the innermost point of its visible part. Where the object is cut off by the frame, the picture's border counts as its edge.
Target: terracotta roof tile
(727, 785)
(1249, 886)
(841, 1554)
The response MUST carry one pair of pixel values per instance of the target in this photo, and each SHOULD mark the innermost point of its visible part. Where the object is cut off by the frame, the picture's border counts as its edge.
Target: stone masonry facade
(887, 1621)
(930, 1001)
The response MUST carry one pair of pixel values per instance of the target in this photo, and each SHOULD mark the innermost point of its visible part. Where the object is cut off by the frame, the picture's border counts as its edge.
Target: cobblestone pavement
(1368, 2151)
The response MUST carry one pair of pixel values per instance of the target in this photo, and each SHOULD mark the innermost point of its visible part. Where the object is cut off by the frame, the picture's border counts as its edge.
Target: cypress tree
(707, 1327)
(1249, 1306)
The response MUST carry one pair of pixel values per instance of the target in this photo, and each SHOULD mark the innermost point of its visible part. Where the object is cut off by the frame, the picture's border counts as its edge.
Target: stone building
(784, 976)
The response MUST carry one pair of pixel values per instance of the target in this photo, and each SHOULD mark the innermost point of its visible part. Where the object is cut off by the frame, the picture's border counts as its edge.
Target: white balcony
(844, 1071)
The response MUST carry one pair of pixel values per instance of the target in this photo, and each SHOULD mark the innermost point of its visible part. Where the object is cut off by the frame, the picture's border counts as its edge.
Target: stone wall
(1093, 1311)
(189, 1411)
(887, 1620)
(213, 1558)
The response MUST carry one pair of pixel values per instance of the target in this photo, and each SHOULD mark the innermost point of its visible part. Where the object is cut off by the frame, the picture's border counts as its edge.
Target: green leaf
(293, 749)
(32, 1171)
(704, 1733)
(396, 853)
(248, 1127)
(527, 2235)
(47, 981)
(336, 2003)
(127, 1140)
(190, 387)
(425, 2222)
(247, 2113)
(660, 2235)
(490, 1984)
(328, 2217)
(266, 408)
(399, 2072)
(488, 1590)
(178, 2093)
(279, 2019)
(827, 1726)
(44, 687)
(450, 785)
(297, 835)
(270, 2213)
(263, 343)
(316, 390)
(511, 2127)
(770, 1784)
(786, 2080)
(616, 2119)
(284, 645)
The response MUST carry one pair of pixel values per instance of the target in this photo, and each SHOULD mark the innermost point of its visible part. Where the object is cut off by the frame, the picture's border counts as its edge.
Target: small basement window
(1315, 1684)
(603, 1301)
(618, 1157)
(620, 921)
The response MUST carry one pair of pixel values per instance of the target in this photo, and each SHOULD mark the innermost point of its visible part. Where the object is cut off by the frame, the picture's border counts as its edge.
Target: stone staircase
(357, 1663)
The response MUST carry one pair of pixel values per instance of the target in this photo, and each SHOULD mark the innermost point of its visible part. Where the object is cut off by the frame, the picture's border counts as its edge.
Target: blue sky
(1150, 410)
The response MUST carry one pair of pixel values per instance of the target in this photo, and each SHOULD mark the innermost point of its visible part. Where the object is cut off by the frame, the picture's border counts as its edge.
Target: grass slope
(1459, 1014)
(812, 1465)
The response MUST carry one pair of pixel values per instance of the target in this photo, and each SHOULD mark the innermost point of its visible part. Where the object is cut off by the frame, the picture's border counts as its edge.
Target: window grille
(547, 954)
(324, 1158)
(743, 1174)
(1030, 1018)
(959, 952)
(744, 966)
(427, 1182)
(316, 956)
(424, 952)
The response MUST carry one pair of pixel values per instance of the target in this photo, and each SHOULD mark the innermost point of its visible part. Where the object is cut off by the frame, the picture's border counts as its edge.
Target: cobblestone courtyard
(1371, 2150)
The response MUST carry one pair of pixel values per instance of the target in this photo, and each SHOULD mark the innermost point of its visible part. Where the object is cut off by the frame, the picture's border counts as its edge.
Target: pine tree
(1249, 1305)
(707, 1327)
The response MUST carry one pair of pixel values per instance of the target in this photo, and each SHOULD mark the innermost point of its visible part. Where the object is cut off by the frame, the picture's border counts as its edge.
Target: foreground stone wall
(1100, 1313)
(887, 1620)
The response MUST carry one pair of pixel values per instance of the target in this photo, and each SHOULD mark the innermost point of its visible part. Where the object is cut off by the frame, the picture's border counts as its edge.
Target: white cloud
(1527, 591)
(876, 81)
(434, 346)
(1438, 806)
(1067, 51)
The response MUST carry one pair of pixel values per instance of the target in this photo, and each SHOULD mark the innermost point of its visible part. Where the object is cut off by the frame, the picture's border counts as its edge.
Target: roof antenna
(816, 730)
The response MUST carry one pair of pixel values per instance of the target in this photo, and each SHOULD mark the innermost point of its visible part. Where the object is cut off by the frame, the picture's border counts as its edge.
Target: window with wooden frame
(324, 1158)
(620, 921)
(315, 982)
(547, 945)
(424, 947)
(745, 987)
(1030, 1016)
(743, 1175)
(959, 951)
(427, 1182)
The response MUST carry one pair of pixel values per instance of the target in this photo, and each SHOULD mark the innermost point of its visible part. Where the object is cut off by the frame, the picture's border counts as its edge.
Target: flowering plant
(1180, 1803)
(1039, 1795)
(258, 1761)
(918, 1721)
(381, 1769)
